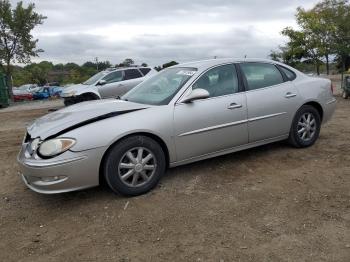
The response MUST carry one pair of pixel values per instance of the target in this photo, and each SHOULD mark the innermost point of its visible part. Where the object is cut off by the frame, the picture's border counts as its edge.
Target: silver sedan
(186, 113)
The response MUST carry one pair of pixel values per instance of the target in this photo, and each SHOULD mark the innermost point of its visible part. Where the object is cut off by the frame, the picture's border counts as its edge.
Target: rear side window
(145, 71)
(289, 73)
(132, 74)
(260, 75)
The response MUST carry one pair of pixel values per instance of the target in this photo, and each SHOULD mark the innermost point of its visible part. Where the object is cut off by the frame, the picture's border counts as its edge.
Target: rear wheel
(134, 166)
(305, 127)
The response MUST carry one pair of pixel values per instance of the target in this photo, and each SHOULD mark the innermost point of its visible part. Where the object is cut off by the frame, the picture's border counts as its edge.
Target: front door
(113, 83)
(213, 124)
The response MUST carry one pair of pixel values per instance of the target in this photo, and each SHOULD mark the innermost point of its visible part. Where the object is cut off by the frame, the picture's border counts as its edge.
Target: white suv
(106, 84)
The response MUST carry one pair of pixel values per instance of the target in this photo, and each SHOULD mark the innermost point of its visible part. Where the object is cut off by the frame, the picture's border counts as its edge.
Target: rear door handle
(290, 95)
(234, 106)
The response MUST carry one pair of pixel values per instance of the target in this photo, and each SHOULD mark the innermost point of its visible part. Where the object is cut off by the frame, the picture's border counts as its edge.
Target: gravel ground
(272, 203)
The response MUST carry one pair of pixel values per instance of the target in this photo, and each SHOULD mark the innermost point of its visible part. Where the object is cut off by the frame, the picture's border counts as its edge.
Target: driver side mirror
(196, 94)
(101, 82)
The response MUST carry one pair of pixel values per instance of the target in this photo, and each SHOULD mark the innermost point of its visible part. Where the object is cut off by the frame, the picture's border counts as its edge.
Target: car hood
(72, 117)
(76, 88)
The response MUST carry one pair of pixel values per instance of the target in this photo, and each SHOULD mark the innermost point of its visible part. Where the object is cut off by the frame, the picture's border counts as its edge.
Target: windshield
(92, 80)
(24, 87)
(161, 88)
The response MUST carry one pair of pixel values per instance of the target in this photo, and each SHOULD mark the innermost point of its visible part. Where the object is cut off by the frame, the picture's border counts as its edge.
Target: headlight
(34, 144)
(55, 146)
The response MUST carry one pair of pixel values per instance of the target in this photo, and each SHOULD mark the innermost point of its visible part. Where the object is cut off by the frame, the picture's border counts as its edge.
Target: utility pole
(96, 61)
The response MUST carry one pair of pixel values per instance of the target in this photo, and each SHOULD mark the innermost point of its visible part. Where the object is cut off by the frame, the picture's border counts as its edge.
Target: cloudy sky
(157, 31)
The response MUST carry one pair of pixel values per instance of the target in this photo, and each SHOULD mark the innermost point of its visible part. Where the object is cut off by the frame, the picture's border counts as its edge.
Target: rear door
(271, 100)
(132, 77)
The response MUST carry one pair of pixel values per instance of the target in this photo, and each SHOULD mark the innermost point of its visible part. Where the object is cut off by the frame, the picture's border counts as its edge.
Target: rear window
(260, 75)
(145, 71)
(289, 73)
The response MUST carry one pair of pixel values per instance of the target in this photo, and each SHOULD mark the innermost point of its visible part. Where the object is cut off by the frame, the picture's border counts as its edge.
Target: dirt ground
(272, 203)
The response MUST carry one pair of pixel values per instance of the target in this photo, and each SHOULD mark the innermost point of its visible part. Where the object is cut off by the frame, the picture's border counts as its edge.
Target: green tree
(127, 62)
(16, 42)
(338, 17)
(302, 44)
(318, 32)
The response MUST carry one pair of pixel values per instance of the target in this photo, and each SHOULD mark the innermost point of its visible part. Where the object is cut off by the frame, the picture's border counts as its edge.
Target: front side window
(219, 81)
(92, 80)
(260, 75)
(161, 88)
(114, 77)
(132, 74)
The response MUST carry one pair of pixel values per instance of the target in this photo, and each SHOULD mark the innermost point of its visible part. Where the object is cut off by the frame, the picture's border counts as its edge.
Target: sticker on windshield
(186, 73)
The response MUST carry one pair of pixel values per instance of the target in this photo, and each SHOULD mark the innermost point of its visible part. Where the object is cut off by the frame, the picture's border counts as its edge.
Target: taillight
(332, 88)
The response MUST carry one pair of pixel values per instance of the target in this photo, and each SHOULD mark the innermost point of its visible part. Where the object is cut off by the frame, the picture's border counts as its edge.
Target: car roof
(125, 68)
(213, 62)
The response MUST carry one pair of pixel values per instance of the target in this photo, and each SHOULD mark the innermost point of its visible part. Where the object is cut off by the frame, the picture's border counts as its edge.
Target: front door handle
(290, 95)
(234, 106)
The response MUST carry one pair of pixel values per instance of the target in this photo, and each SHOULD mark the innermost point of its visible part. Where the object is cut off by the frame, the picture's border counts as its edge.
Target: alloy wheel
(307, 126)
(137, 166)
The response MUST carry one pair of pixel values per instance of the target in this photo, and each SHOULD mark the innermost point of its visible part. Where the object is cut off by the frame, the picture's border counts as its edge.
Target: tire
(82, 98)
(345, 95)
(88, 97)
(118, 164)
(301, 126)
(68, 101)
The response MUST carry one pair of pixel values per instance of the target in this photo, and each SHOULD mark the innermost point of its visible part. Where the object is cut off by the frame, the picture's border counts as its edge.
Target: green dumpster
(4, 97)
(346, 87)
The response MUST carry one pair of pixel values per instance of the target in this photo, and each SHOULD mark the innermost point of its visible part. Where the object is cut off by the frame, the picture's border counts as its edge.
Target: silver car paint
(57, 121)
(108, 90)
(206, 125)
(190, 132)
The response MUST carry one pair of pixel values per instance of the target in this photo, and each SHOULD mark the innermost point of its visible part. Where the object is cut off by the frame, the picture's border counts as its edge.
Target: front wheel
(81, 98)
(345, 95)
(134, 165)
(306, 127)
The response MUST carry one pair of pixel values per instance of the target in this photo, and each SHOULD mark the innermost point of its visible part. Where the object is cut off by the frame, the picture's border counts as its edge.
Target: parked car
(28, 88)
(47, 92)
(24, 92)
(22, 97)
(106, 84)
(186, 113)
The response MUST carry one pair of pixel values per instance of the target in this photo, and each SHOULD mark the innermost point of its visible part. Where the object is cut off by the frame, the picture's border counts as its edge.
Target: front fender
(104, 133)
(88, 90)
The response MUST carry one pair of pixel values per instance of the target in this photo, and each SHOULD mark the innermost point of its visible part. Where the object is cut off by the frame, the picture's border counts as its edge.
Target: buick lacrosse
(183, 114)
